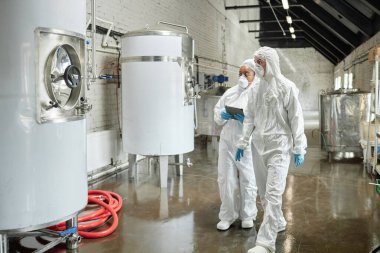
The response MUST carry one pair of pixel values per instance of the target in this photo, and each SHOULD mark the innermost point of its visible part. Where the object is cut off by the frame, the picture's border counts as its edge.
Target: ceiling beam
(373, 4)
(320, 32)
(239, 7)
(298, 43)
(362, 7)
(325, 48)
(269, 31)
(266, 21)
(323, 38)
(329, 57)
(326, 39)
(331, 23)
(356, 18)
(324, 19)
(290, 43)
(332, 49)
(277, 37)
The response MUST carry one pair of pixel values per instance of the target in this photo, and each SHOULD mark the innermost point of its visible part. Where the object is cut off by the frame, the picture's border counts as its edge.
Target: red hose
(111, 203)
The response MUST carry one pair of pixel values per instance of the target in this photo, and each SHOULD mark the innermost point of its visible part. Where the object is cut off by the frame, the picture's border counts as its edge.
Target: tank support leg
(132, 166)
(179, 162)
(72, 242)
(3, 243)
(214, 143)
(164, 163)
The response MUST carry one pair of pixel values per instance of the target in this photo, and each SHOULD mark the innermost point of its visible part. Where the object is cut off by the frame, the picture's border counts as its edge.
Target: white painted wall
(218, 38)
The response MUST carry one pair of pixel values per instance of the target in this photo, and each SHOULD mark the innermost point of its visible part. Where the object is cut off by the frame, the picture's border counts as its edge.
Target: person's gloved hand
(225, 115)
(239, 117)
(298, 160)
(239, 154)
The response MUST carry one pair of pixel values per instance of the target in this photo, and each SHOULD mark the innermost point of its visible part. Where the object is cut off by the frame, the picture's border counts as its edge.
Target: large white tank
(42, 130)
(158, 110)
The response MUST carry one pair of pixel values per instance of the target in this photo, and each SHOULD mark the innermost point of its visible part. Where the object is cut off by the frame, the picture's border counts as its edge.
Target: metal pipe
(73, 240)
(167, 23)
(376, 69)
(106, 51)
(107, 171)
(88, 23)
(209, 67)
(51, 245)
(195, 113)
(105, 38)
(24, 234)
(93, 32)
(49, 232)
(3, 243)
(187, 163)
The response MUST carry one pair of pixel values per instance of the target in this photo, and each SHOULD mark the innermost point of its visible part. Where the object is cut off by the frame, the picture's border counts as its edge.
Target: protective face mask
(243, 82)
(259, 70)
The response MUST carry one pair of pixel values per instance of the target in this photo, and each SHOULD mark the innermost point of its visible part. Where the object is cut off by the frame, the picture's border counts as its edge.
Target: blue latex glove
(239, 117)
(298, 160)
(225, 115)
(239, 154)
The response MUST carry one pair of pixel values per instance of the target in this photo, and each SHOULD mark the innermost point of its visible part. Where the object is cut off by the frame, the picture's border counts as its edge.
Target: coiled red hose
(111, 203)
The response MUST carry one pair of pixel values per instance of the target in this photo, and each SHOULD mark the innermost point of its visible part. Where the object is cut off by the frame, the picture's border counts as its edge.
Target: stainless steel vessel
(341, 114)
(157, 68)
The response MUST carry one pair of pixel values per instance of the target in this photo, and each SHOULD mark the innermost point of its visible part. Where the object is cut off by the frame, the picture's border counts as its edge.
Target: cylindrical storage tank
(158, 110)
(342, 115)
(43, 177)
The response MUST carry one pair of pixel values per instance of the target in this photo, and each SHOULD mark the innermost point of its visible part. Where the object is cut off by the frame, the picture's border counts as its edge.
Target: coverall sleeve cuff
(301, 151)
(242, 144)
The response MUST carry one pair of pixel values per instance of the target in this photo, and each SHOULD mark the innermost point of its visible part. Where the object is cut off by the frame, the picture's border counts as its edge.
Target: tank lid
(161, 28)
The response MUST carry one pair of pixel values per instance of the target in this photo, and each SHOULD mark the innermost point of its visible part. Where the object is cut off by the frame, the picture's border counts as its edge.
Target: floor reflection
(330, 208)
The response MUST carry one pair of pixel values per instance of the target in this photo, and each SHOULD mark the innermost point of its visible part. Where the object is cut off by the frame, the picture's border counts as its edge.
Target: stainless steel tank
(43, 178)
(157, 99)
(342, 113)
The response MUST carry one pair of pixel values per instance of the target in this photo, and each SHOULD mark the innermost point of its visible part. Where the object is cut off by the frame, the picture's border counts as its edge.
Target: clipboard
(234, 110)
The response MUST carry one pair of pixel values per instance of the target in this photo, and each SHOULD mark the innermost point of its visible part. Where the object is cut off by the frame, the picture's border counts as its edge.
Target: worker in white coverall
(273, 116)
(236, 180)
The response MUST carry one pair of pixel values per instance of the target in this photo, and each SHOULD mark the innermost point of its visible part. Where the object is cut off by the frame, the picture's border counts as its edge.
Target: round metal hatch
(63, 77)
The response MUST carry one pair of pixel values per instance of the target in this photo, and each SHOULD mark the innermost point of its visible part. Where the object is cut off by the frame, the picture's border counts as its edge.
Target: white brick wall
(357, 63)
(217, 35)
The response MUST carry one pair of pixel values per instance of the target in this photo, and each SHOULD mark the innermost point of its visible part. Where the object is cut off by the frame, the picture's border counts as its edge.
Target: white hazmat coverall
(273, 116)
(237, 184)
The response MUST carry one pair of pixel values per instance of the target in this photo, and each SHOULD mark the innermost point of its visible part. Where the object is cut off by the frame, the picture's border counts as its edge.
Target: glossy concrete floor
(330, 208)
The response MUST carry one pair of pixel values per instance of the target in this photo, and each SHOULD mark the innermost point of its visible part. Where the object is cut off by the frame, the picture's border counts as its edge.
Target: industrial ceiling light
(289, 19)
(293, 36)
(285, 4)
(291, 29)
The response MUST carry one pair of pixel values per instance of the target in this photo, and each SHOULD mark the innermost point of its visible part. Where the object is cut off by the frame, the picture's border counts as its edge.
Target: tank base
(338, 156)
(72, 242)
